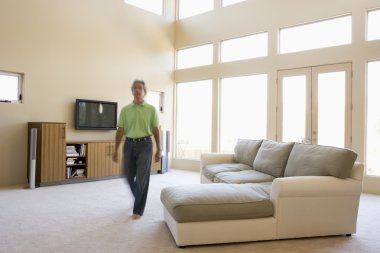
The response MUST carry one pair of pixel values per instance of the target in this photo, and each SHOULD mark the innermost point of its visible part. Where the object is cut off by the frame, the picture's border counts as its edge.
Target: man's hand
(115, 157)
(157, 157)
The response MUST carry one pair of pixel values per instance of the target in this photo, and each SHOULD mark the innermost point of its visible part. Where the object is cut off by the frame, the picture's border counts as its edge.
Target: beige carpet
(95, 217)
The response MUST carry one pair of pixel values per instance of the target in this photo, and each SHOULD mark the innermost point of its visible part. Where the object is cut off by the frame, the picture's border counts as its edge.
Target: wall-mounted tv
(95, 115)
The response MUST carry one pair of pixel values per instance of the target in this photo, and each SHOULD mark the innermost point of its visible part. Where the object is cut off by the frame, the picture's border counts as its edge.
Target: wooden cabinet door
(116, 168)
(53, 152)
(98, 159)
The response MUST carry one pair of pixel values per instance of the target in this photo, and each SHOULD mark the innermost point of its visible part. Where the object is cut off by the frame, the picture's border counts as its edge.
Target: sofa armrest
(357, 171)
(215, 158)
(314, 186)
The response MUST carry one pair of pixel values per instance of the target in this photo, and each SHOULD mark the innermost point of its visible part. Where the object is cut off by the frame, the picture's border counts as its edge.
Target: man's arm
(118, 138)
(156, 134)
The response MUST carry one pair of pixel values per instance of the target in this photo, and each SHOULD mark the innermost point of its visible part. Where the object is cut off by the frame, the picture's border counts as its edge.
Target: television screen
(92, 114)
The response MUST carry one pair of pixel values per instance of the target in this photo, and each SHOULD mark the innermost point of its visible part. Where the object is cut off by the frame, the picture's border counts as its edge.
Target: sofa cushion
(272, 157)
(246, 150)
(317, 160)
(210, 202)
(211, 170)
(243, 177)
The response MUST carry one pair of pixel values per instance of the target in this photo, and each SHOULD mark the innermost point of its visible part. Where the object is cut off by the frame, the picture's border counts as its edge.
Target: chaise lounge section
(288, 190)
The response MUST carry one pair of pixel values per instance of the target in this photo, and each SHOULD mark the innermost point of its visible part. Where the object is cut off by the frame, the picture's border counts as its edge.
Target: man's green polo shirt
(138, 120)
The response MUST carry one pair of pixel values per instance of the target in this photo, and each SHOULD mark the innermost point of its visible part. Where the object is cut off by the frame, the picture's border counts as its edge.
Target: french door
(314, 105)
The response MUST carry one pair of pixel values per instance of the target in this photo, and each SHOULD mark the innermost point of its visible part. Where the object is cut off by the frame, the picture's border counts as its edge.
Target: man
(137, 122)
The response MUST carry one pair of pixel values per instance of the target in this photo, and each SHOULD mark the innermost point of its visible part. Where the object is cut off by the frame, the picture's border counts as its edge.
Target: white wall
(71, 49)
(253, 16)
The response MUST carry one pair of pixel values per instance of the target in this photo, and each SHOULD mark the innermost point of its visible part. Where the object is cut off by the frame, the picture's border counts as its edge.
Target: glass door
(294, 100)
(314, 105)
(331, 109)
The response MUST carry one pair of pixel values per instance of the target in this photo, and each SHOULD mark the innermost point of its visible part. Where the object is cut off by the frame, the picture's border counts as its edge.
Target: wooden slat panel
(44, 165)
(62, 152)
(52, 155)
(91, 160)
(97, 159)
(116, 168)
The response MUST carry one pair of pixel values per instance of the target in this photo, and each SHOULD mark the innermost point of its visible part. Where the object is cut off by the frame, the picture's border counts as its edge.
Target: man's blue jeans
(137, 161)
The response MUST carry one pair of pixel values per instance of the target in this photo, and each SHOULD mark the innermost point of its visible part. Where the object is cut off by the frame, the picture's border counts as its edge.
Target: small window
(231, 2)
(195, 56)
(155, 6)
(373, 29)
(188, 8)
(156, 99)
(327, 33)
(10, 87)
(252, 46)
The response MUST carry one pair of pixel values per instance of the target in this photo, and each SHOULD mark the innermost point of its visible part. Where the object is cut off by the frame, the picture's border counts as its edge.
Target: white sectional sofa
(267, 191)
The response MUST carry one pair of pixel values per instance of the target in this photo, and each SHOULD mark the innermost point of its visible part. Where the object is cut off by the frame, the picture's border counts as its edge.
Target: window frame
(367, 23)
(310, 23)
(366, 120)
(194, 46)
(178, 11)
(243, 36)
(20, 78)
(176, 117)
(220, 83)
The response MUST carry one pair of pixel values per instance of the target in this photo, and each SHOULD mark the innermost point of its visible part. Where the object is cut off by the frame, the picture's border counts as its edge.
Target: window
(243, 110)
(327, 33)
(252, 46)
(10, 87)
(155, 6)
(294, 108)
(231, 2)
(155, 98)
(373, 119)
(195, 56)
(188, 8)
(194, 105)
(373, 29)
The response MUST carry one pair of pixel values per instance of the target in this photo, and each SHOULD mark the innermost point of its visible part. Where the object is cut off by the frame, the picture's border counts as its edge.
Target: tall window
(373, 29)
(194, 105)
(155, 6)
(10, 87)
(243, 109)
(188, 8)
(373, 119)
(195, 56)
(327, 33)
(231, 2)
(245, 47)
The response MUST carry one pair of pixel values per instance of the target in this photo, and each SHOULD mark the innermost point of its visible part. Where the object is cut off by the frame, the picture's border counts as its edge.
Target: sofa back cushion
(317, 160)
(272, 157)
(246, 151)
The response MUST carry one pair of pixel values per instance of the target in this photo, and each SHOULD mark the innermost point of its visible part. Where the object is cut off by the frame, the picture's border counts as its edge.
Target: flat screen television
(95, 115)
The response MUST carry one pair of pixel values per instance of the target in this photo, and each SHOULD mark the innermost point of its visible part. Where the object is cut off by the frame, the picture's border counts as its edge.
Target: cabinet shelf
(75, 165)
(76, 178)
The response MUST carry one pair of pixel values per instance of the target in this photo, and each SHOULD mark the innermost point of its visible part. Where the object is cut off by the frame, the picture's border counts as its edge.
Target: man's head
(139, 89)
